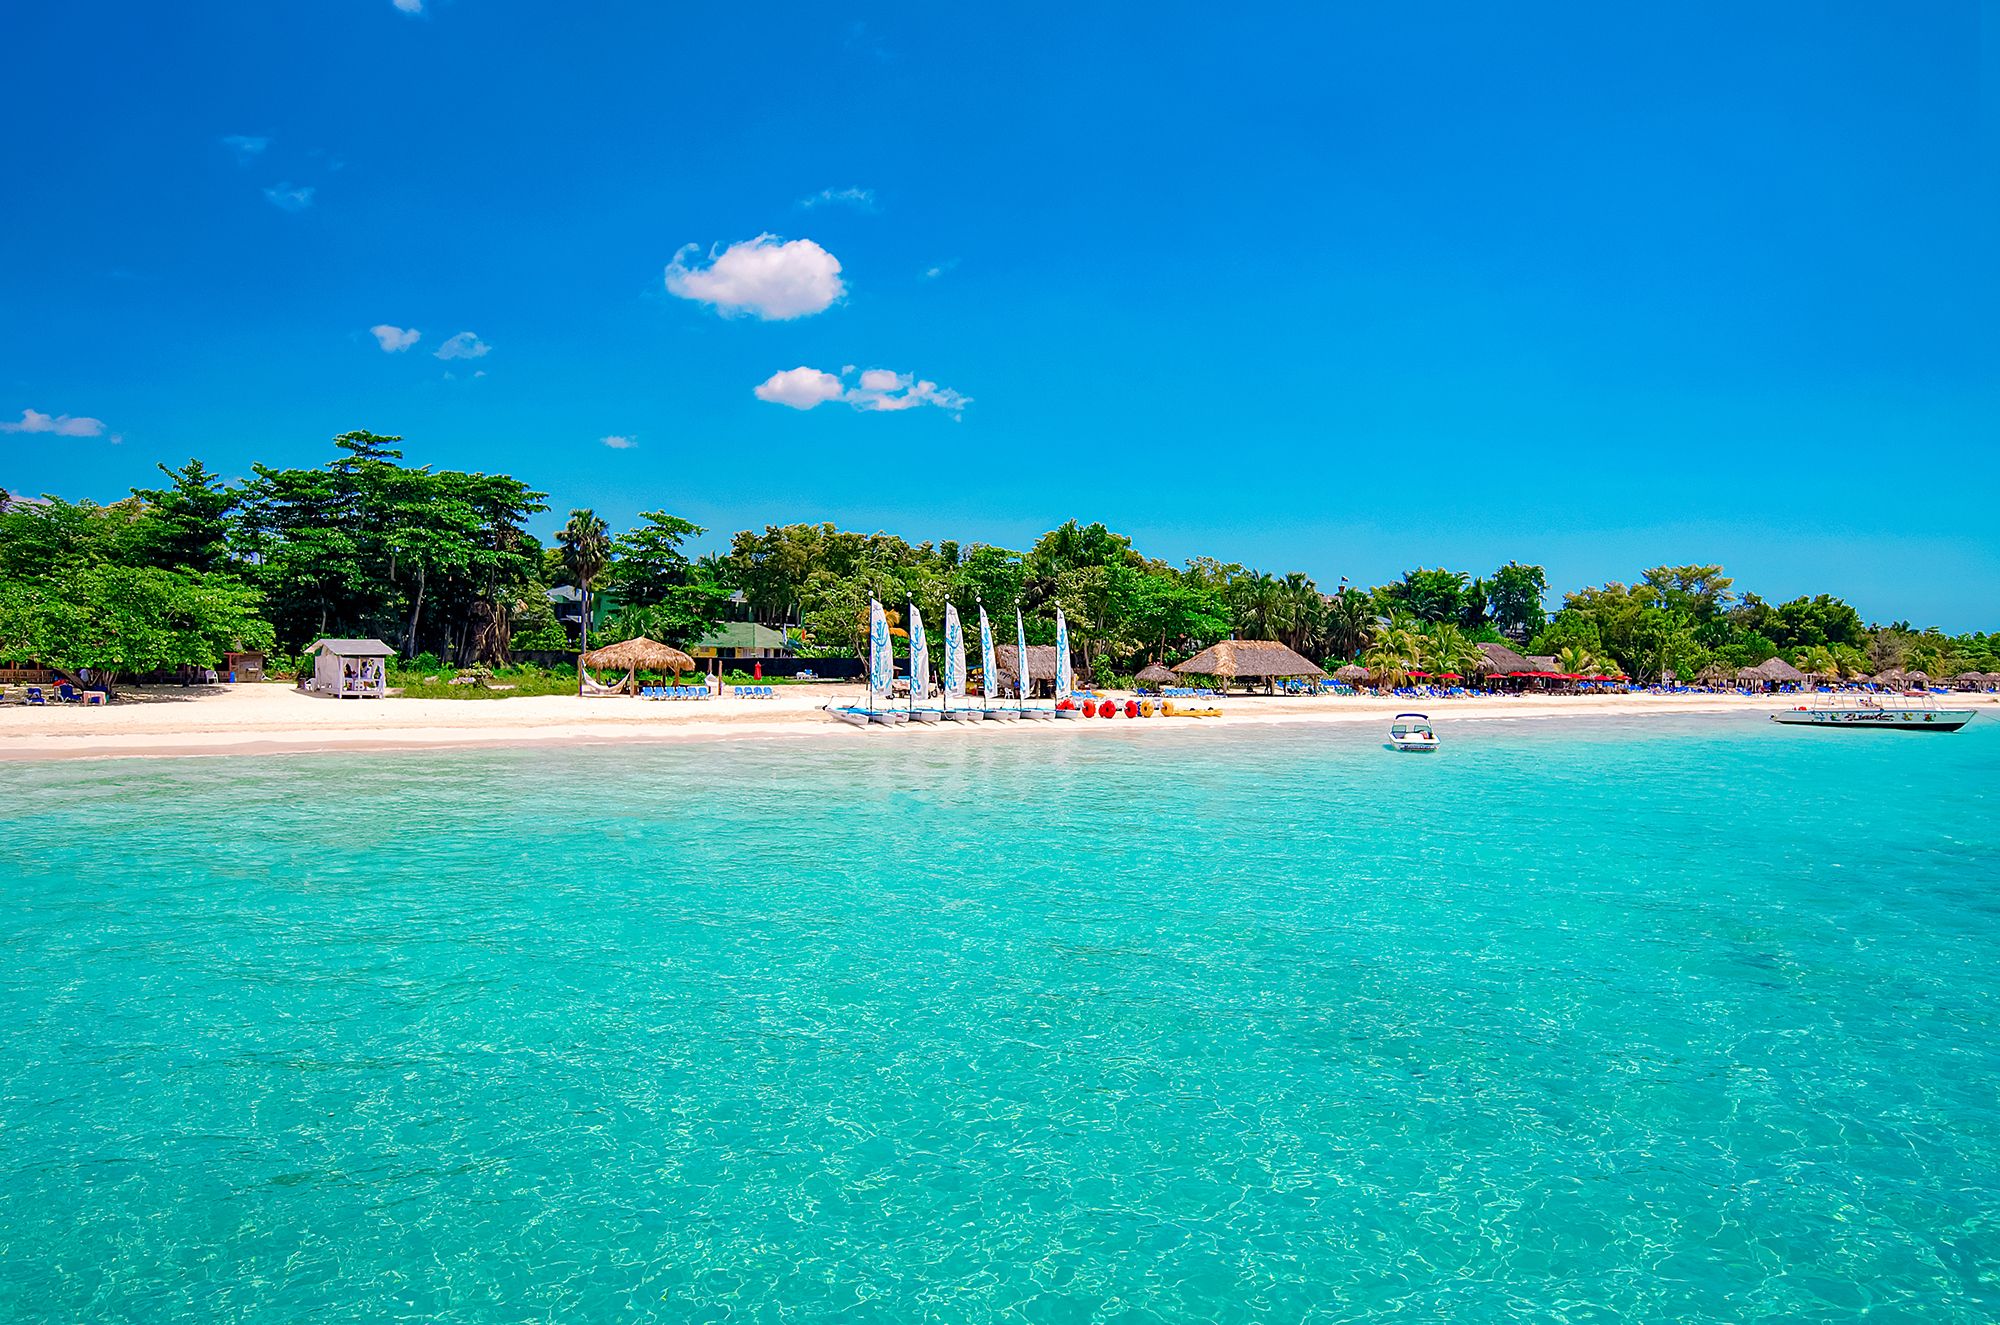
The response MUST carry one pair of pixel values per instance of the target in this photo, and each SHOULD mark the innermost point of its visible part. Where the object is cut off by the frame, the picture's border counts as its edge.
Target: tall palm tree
(1350, 623)
(586, 550)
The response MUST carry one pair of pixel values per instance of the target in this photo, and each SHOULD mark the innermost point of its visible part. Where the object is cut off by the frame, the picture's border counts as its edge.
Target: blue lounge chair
(35, 695)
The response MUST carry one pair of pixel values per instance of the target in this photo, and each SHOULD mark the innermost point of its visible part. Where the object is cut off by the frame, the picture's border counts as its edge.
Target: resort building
(742, 639)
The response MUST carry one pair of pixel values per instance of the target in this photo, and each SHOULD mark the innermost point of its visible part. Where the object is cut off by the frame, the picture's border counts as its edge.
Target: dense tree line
(442, 562)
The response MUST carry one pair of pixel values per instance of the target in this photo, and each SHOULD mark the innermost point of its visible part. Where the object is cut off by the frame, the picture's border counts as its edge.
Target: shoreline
(273, 719)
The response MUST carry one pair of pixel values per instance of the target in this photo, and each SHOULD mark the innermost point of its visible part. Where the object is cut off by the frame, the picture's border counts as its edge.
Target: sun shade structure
(1351, 672)
(1503, 661)
(640, 654)
(631, 657)
(351, 668)
(1154, 674)
(1246, 659)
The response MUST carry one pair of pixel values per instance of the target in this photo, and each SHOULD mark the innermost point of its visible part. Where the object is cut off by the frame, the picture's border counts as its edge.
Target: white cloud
(767, 276)
(394, 340)
(861, 200)
(409, 6)
(287, 198)
(61, 425)
(618, 443)
(246, 148)
(932, 273)
(464, 345)
(801, 388)
(880, 390)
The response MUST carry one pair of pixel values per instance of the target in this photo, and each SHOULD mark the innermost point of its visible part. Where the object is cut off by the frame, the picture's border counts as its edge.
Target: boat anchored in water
(1411, 733)
(1873, 715)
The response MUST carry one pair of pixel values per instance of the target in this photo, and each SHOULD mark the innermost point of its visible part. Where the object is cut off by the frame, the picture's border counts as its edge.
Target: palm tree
(1445, 650)
(1577, 661)
(1350, 623)
(1398, 651)
(586, 550)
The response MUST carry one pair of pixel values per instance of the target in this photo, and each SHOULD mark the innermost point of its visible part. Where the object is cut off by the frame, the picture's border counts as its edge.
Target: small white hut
(351, 668)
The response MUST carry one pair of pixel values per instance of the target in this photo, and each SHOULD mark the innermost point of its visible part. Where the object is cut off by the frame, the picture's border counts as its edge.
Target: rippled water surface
(1684, 1022)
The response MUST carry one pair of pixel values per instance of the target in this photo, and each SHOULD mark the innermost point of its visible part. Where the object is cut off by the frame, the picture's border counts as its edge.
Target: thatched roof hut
(1351, 672)
(639, 655)
(1246, 659)
(1501, 660)
(1774, 670)
(1041, 662)
(1155, 674)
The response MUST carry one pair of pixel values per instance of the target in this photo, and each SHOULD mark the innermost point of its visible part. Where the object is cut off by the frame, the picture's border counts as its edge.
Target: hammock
(589, 685)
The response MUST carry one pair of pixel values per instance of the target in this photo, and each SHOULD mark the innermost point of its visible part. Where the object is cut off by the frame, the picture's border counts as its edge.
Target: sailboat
(920, 670)
(1065, 687)
(989, 671)
(1021, 681)
(881, 675)
(954, 668)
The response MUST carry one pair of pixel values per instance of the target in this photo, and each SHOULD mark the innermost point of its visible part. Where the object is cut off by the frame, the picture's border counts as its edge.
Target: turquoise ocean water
(1691, 1021)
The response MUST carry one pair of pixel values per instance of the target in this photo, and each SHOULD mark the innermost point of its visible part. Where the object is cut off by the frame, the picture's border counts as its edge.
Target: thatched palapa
(1351, 672)
(1247, 659)
(1500, 660)
(1154, 674)
(639, 655)
(1041, 662)
(1774, 670)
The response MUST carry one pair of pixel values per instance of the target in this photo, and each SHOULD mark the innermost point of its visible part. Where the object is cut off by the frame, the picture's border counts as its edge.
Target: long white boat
(1870, 715)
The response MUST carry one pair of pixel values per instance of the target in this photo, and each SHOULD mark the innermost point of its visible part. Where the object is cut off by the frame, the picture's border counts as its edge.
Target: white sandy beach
(275, 718)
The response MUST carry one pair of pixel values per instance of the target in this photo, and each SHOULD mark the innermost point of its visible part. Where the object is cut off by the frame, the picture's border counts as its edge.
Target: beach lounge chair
(67, 693)
(35, 695)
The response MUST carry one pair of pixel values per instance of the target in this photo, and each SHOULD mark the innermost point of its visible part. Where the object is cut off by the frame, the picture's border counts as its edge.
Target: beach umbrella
(1351, 672)
(1155, 674)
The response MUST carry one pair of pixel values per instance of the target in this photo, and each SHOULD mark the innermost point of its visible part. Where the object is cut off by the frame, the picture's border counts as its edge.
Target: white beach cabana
(350, 668)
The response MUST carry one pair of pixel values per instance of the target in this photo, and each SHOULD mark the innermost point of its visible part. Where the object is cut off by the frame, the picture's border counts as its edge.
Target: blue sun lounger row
(753, 692)
(673, 692)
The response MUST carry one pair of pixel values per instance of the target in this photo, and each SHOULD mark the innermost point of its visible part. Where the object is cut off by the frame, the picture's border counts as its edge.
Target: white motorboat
(1411, 733)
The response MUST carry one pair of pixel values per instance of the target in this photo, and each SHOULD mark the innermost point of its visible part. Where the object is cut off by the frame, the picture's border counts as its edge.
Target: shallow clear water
(1689, 1022)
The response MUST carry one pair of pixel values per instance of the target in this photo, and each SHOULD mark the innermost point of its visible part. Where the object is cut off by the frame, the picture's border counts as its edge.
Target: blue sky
(1342, 289)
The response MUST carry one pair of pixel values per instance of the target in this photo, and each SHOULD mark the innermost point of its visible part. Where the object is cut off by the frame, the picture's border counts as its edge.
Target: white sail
(1021, 658)
(881, 658)
(920, 658)
(989, 666)
(954, 654)
(1064, 689)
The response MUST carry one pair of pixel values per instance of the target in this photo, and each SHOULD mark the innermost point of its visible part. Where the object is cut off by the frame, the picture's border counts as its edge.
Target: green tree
(189, 519)
(1514, 597)
(586, 545)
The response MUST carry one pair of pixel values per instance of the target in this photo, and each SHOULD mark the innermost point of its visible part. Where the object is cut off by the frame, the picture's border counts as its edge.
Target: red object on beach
(757, 672)
(1089, 708)
(1108, 709)
(1131, 708)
